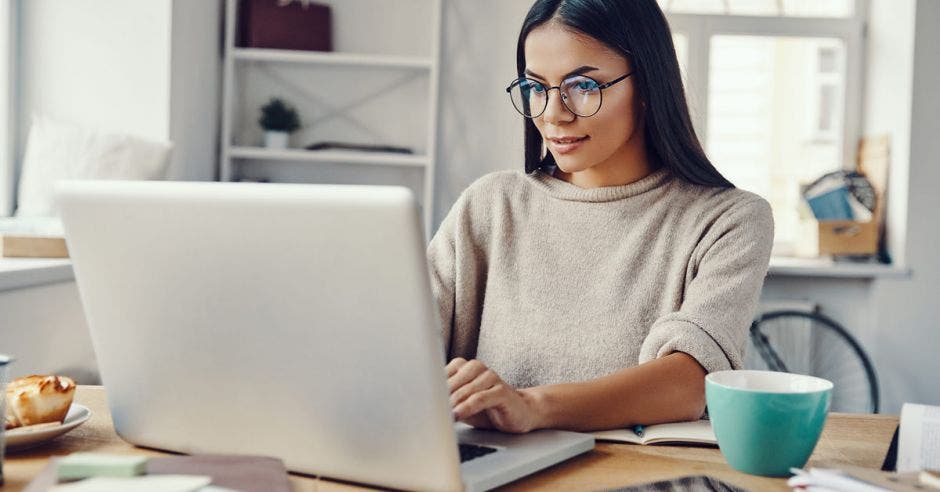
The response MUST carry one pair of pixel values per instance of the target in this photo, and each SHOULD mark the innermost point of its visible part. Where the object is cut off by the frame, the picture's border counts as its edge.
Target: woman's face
(600, 145)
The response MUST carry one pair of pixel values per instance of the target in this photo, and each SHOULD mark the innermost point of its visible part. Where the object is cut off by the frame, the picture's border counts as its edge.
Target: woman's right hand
(479, 397)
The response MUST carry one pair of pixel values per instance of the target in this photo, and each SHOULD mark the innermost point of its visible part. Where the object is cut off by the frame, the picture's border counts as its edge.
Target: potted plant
(279, 120)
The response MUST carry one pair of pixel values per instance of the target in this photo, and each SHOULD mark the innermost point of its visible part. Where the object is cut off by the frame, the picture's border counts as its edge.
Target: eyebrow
(578, 71)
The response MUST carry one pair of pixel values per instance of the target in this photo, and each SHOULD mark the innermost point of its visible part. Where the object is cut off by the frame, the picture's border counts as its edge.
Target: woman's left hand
(479, 397)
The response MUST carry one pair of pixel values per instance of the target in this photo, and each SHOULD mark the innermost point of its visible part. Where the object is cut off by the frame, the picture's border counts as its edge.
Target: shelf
(331, 58)
(329, 156)
(827, 268)
(371, 45)
(20, 273)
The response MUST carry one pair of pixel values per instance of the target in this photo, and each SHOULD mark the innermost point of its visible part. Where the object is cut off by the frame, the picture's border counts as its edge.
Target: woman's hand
(479, 397)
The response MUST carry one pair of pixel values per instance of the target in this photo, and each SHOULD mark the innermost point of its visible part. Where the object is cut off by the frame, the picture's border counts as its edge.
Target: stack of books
(841, 195)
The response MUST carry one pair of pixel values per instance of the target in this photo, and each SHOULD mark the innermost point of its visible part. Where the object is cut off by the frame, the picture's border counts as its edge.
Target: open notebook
(695, 432)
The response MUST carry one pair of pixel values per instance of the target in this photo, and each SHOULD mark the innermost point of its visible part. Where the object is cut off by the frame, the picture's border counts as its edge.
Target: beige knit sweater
(546, 282)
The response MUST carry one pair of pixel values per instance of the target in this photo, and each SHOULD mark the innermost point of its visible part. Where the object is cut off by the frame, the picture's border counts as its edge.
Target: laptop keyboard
(472, 451)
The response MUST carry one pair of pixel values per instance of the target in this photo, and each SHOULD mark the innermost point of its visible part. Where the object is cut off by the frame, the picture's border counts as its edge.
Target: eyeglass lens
(580, 94)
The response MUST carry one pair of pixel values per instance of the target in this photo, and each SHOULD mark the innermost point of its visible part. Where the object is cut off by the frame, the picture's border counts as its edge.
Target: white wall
(908, 312)
(195, 88)
(479, 131)
(888, 100)
(43, 328)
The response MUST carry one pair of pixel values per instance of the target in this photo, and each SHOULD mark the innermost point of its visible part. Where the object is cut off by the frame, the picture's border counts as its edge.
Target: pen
(638, 430)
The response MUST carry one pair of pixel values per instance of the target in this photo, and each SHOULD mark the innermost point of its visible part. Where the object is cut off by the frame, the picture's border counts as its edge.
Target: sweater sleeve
(458, 276)
(726, 272)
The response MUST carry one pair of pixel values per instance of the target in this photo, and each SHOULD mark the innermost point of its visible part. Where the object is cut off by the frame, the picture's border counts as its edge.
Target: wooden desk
(860, 440)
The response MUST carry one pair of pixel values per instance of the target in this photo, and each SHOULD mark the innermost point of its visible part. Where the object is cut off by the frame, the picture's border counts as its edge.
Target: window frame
(699, 29)
(8, 108)
(818, 81)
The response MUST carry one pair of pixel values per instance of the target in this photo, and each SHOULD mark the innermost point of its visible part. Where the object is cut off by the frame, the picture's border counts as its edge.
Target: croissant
(38, 399)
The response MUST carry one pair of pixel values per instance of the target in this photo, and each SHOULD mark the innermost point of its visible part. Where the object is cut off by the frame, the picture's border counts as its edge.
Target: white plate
(25, 437)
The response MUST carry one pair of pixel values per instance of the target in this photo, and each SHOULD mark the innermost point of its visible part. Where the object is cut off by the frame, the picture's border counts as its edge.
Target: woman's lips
(567, 145)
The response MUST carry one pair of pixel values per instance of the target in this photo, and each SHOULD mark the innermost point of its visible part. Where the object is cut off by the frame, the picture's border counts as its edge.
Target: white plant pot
(276, 140)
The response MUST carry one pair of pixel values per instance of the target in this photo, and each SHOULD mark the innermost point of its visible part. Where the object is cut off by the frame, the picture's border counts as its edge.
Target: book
(242, 473)
(919, 438)
(841, 195)
(832, 205)
(32, 237)
(695, 432)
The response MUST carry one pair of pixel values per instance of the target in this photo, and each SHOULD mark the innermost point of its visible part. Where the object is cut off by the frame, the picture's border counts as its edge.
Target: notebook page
(698, 431)
(919, 439)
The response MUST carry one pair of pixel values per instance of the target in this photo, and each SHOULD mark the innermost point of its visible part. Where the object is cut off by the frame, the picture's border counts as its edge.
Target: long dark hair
(637, 29)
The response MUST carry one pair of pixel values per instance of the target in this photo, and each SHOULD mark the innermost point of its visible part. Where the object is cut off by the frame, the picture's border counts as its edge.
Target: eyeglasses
(582, 95)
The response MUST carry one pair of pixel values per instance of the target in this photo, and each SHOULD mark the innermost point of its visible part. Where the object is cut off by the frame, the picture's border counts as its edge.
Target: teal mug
(767, 422)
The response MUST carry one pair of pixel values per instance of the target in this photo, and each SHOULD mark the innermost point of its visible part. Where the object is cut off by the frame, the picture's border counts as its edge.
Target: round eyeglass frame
(600, 88)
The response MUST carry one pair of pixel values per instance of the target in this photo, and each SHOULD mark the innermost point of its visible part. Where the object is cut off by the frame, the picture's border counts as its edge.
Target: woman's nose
(556, 111)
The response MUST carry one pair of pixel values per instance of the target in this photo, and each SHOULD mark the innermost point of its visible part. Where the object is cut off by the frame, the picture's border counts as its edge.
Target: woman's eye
(537, 88)
(586, 85)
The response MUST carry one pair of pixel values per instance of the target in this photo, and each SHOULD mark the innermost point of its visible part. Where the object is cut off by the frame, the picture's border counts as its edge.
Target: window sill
(826, 268)
(20, 273)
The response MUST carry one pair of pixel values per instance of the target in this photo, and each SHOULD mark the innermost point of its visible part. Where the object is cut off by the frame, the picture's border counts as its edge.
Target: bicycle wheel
(810, 343)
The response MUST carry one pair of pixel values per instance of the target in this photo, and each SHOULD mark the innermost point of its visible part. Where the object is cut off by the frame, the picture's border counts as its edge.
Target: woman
(598, 288)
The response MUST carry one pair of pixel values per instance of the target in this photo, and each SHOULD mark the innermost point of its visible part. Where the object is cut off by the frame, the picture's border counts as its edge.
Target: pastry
(38, 399)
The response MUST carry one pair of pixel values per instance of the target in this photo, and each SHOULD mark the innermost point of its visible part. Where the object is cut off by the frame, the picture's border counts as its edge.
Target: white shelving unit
(344, 157)
(344, 96)
(289, 56)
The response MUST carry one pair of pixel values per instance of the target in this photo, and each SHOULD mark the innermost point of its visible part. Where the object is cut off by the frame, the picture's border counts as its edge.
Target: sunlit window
(772, 110)
(774, 116)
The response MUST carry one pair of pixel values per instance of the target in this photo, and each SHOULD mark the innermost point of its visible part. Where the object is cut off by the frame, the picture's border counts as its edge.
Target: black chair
(810, 343)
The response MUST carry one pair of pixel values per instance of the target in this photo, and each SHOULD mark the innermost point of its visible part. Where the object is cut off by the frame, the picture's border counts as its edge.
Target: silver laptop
(293, 321)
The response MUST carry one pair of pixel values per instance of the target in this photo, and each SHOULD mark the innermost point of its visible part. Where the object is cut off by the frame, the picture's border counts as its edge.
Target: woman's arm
(457, 269)
(668, 389)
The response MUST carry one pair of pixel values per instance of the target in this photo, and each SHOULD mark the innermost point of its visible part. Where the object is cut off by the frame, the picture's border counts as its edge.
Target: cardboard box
(297, 25)
(846, 237)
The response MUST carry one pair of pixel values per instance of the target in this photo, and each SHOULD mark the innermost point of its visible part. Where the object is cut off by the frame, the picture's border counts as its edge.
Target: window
(774, 88)
(777, 8)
